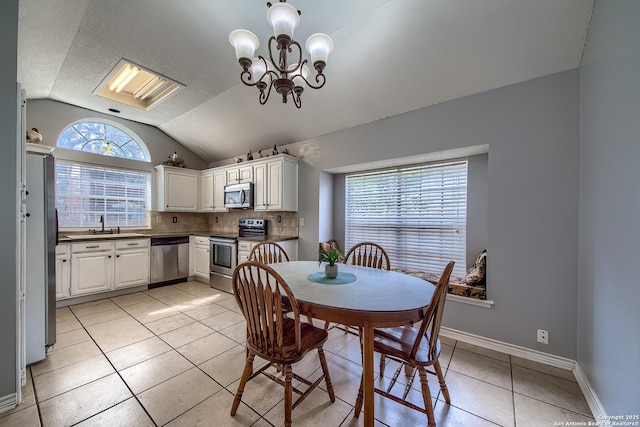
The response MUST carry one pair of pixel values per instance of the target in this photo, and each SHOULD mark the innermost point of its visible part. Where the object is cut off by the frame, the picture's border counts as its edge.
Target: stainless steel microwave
(238, 195)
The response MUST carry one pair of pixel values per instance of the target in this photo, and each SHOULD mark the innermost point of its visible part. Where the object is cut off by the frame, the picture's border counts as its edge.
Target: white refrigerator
(40, 245)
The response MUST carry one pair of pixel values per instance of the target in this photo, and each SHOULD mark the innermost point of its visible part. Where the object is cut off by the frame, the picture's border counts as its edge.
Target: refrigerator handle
(56, 226)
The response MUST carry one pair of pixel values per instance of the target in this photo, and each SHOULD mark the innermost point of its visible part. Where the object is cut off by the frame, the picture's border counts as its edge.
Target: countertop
(142, 235)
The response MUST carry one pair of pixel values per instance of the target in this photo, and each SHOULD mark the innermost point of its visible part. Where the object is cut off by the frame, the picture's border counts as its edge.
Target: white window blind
(417, 214)
(85, 192)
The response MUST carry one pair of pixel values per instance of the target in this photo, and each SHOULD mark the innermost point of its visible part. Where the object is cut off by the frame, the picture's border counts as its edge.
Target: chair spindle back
(368, 254)
(259, 292)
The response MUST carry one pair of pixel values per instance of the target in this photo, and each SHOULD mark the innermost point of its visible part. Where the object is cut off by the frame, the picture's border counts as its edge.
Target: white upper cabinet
(177, 189)
(219, 181)
(206, 190)
(240, 174)
(276, 184)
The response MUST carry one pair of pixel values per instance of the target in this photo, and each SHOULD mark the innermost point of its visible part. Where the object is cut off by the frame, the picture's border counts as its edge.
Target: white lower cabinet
(63, 271)
(201, 258)
(104, 266)
(245, 247)
(91, 272)
(132, 263)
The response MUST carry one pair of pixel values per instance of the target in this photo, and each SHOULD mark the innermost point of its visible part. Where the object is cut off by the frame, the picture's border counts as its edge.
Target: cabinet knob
(117, 256)
(64, 260)
(28, 215)
(109, 256)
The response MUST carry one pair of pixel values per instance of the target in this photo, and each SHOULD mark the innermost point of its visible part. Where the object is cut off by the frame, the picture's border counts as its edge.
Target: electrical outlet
(216, 220)
(301, 222)
(279, 218)
(543, 336)
(175, 219)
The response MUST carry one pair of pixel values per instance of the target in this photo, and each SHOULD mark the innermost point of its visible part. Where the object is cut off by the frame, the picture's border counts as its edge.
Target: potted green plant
(329, 256)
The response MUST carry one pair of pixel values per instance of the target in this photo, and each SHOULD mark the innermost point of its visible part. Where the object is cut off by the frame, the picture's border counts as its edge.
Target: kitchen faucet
(102, 222)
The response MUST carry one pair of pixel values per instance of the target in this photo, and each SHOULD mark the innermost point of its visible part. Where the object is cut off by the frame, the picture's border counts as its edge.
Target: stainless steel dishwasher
(169, 260)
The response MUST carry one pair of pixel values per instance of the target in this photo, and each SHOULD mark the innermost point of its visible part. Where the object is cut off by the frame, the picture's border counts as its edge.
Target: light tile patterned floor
(173, 356)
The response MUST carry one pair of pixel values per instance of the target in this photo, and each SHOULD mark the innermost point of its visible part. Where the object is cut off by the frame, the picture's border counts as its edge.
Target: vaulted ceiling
(390, 57)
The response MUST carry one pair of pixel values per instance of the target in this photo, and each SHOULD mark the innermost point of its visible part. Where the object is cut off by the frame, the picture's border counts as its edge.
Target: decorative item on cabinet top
(34, 136)
(174, 160)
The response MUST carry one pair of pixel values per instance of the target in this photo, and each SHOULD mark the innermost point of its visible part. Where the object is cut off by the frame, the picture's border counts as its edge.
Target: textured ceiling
(390, 57)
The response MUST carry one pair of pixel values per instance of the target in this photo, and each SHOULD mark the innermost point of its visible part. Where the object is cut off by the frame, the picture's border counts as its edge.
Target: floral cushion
(457, 285)
(332, 244)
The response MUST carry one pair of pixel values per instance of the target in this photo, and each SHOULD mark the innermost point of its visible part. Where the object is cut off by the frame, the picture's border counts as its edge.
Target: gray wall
(532, 181)
(325, 208)
(608, 293)
(8, 185)
(52, 117)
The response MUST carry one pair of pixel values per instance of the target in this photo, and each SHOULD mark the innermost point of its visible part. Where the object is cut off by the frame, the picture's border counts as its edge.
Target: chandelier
(287, 74)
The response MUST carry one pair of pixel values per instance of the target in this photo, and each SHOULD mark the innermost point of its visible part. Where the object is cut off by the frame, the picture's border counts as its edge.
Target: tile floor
(173, 356)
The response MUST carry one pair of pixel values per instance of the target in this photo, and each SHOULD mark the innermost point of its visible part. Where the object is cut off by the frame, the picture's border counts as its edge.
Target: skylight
(135, 85)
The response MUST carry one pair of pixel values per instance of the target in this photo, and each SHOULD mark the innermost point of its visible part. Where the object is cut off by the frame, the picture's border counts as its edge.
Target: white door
(219, 181)
(274, 183)
(260, 189)
(131, 268)
(91, 272)
(206, 192)
(202, 262)
(62, 276)
(181, 191)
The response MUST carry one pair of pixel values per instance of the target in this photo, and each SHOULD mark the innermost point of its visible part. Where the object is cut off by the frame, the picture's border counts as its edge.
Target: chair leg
(443, 385)
(359, 401)
(326, 325)
(288, 395)
(426, 396)
(383, 364)
(248, 370)
(325, 371)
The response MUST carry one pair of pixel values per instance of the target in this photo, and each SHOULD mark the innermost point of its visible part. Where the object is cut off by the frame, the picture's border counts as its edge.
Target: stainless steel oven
(224, 255)
(224, 251)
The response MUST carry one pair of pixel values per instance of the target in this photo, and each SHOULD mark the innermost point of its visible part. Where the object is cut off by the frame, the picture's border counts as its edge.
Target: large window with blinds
(86, 192)
(416, 213)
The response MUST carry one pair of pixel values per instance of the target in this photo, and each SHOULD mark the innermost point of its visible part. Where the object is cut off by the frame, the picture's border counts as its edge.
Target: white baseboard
(589, 394)
(7, 402)
(537, 356)
(512, 349)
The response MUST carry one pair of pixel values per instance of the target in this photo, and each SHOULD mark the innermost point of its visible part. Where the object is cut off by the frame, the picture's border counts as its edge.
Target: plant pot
(331, 271)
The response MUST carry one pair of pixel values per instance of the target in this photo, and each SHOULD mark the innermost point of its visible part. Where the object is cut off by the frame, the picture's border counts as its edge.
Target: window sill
(471, 301)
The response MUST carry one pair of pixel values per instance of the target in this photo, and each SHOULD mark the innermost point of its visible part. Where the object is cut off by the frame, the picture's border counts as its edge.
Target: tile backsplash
(228, 221)
(162, 222)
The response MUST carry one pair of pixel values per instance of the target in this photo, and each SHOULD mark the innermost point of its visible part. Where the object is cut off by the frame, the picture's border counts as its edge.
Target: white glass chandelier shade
(258, 70)
(245, 43)
(319, 46)
(283, 18)
(297, 79)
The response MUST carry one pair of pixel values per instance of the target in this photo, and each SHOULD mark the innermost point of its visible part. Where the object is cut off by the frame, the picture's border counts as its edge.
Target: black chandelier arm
(297, 101)
(284, 47)
(320, 79)
(246, 76)
(262, 98)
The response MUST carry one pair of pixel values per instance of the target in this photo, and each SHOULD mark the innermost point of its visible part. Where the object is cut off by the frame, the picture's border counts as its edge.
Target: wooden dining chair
(268, 252)
(366, 254)
(273, 336)
(417, 348)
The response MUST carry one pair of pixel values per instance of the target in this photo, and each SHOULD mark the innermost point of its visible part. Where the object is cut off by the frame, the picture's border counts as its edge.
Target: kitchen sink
(103, 236)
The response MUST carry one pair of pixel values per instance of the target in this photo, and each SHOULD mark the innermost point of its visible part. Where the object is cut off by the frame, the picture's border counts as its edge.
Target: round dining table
(373, 298)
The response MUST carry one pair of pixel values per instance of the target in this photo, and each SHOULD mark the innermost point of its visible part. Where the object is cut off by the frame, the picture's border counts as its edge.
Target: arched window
(90, 195)
(103, 137)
